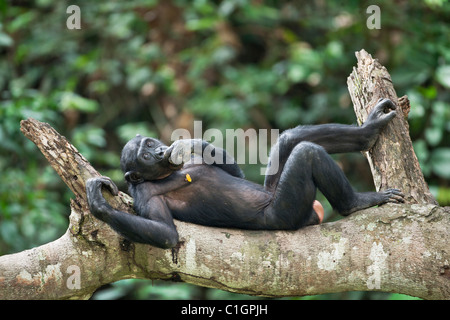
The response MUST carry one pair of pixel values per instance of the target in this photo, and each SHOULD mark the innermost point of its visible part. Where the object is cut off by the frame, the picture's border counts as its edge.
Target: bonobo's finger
(178, 153)
(107, 182)
(174, 155)
(175, 159)
(167, 153)
(181, 152)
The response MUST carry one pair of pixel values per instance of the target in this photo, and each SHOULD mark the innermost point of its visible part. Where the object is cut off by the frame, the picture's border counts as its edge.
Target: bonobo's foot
(379, 117)
(393, 195)
(382, 113)
(365, 200)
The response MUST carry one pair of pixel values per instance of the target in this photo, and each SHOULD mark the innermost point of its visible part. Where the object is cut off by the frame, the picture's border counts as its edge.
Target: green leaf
(201, 24)
(72, 101)
(440, 162)
(421, 150)
(443, 75)
(130, 130)
(5, 40)
(433, 135)
(398, 296)
(8, 231)
(297, 73)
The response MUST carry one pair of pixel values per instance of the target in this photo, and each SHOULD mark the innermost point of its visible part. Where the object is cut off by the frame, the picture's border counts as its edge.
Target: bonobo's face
(143, 160)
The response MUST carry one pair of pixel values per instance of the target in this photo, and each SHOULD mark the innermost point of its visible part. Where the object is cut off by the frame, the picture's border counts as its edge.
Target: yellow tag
(188, 178)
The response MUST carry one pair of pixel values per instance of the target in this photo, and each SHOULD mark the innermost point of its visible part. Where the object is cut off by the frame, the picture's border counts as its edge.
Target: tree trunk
(393, 248)
(392, 160)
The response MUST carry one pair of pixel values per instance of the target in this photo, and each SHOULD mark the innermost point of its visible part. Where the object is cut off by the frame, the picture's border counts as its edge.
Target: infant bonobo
(165, 185)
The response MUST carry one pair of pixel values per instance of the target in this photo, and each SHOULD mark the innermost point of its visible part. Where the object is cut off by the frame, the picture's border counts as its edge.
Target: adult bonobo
(166, 186)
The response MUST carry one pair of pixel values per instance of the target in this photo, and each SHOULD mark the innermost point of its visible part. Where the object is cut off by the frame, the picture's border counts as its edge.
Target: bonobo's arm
(339, 138)
(153, 225)
(181, 150)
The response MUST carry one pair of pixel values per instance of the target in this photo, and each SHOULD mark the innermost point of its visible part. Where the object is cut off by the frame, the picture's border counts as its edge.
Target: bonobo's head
(143, 160)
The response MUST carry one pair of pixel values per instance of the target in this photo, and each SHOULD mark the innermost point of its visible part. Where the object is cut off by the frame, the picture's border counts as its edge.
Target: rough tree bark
(393, 248)
(392, 160)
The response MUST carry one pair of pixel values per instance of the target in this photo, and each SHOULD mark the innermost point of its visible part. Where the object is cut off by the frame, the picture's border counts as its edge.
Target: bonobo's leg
(334, 138)
(309, 167)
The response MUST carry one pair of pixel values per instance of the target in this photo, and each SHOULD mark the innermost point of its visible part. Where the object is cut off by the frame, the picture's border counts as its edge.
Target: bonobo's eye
(150, 144)
(146, 156)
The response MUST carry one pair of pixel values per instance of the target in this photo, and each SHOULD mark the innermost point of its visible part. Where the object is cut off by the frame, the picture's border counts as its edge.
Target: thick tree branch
(394, 248)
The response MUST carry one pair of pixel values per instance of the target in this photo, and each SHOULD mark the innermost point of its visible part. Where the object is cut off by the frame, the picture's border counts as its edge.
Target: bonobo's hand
(97, 204)
(381, 114)
(179, 152)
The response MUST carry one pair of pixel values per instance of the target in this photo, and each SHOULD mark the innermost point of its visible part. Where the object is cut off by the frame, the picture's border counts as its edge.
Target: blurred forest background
(152, 66)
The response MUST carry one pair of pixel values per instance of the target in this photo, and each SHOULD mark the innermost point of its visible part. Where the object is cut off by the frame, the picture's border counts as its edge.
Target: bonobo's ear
(133, 177)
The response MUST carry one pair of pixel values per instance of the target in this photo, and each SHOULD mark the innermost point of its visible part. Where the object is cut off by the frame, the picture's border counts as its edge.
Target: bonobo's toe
(394, 196)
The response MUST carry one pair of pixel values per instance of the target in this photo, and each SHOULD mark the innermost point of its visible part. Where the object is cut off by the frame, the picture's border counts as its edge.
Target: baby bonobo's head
(143, 159)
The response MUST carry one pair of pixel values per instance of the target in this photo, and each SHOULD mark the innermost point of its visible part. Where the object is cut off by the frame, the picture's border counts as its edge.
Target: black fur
(166, 185)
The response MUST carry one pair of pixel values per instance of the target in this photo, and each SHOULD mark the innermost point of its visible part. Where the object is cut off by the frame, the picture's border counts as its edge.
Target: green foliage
(146, 289)
(31, 211)
(150, 67)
